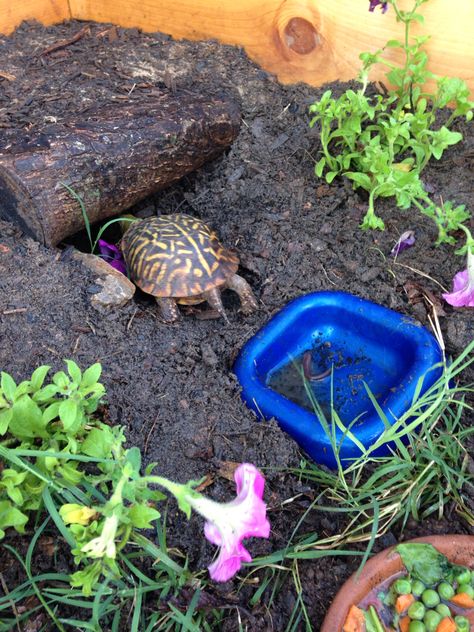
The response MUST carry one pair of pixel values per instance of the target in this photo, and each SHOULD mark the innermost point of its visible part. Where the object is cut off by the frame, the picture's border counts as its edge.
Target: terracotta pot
(459, 549)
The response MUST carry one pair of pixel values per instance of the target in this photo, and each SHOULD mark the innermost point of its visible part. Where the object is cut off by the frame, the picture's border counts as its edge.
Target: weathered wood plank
(13, 12)
(299, 40)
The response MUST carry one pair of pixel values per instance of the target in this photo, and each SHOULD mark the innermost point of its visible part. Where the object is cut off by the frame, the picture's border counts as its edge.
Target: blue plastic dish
(350, 341)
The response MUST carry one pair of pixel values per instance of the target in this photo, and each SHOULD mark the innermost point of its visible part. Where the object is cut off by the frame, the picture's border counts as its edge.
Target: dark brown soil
(172, 386)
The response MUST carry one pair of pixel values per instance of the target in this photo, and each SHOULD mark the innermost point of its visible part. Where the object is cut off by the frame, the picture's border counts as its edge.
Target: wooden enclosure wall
(13, 12)
(299, 40)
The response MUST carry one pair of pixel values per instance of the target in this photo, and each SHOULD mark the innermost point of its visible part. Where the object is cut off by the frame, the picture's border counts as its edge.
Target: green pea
(464, 577)
(416, 611)
(417, 587)
(443, 610)
(465, 588)
(416, 626)
(462, 624)
(445, 590)
(402, 586)
(431, 620)
(430, 598)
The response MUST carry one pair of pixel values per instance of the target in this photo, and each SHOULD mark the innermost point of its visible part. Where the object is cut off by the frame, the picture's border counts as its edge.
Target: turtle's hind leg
(213, 297)
(168, 308)
(247, 298)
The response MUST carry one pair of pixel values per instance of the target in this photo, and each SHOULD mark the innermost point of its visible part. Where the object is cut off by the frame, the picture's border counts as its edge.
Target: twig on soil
(326, 275)
(153, 426)
(76, 345)
(129, 324)
(92, 328)
(17, 310)
(7, 75)
(12, 603)
(423, 274)
(66, 42)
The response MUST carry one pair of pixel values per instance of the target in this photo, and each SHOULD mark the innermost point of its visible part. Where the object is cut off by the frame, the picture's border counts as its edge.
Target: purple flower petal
(463, 286)
(375, 3)
(406, 240)
(112, 254)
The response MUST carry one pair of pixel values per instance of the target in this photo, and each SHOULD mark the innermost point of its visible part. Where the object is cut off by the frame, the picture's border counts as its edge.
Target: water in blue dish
(334, 364)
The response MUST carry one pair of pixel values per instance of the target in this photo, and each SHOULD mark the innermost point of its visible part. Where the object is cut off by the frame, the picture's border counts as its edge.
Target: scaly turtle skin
(179, 259)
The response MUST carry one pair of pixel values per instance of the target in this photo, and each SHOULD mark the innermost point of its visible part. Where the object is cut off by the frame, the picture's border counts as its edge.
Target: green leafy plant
(46, 423)
(382, 142)
(65, 463)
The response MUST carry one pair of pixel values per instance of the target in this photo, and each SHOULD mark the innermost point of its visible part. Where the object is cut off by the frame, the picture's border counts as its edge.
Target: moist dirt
(172, 386)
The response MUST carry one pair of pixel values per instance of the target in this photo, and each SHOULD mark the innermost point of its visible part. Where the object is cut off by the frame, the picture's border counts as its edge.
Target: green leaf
(134, 457)
(46, 393)
(61, 380)
(361, 179)
(5, 418)
(425, 563)
(27, 420)
(68, 413)
(38, 377)
(141, 516)
(51, 412)
(74, 371)
(22, 389)
(8, 386)
(98, 443)
(91, 375)
(11, 517)
(319, 168)
(330, 175)
(394, 43)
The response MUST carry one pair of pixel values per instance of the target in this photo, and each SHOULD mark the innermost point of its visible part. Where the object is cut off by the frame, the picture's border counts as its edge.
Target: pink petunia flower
(227, 524)
(463, 285)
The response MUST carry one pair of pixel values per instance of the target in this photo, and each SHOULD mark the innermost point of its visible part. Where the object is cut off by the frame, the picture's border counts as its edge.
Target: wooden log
(111, 157)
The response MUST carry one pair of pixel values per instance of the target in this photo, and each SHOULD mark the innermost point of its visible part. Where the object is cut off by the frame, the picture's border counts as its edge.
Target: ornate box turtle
(179, 259)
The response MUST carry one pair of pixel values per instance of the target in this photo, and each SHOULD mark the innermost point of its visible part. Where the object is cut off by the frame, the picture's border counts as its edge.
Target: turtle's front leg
(247, 298)
(168, 308)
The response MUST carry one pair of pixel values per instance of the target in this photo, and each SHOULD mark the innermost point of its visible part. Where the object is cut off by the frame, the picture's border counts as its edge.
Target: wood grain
(315, 41)
(13, 12)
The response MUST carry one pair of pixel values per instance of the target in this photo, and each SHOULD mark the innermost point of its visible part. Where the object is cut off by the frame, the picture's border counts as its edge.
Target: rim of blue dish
(303, 425)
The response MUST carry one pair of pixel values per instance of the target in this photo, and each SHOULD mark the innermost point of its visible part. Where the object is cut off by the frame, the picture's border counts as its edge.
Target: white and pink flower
(227, 524)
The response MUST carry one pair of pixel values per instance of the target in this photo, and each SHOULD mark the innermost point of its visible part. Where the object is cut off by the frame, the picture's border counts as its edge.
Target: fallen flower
(407, 239)
(229, 523)
(113, 255)
(463, 285)
(375, 3)
(104, 545)
(72, 513)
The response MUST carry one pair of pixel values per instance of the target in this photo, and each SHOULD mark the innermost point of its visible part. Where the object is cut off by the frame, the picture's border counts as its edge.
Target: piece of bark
(112, 157)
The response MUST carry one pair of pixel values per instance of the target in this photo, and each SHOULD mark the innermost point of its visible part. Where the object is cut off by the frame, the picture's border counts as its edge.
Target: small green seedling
(382, 142)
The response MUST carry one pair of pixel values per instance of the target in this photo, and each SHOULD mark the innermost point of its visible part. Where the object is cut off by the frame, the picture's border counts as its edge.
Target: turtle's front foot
(168, 308)
(248, 301)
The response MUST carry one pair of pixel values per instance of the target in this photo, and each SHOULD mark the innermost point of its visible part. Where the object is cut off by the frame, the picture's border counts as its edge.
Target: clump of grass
(426, 474)
(93, 243)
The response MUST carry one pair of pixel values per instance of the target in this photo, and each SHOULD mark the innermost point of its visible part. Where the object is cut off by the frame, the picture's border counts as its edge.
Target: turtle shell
(176, 256)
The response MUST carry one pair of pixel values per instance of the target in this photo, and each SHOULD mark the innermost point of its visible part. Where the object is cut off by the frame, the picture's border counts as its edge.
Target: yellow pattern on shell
(176, 256)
